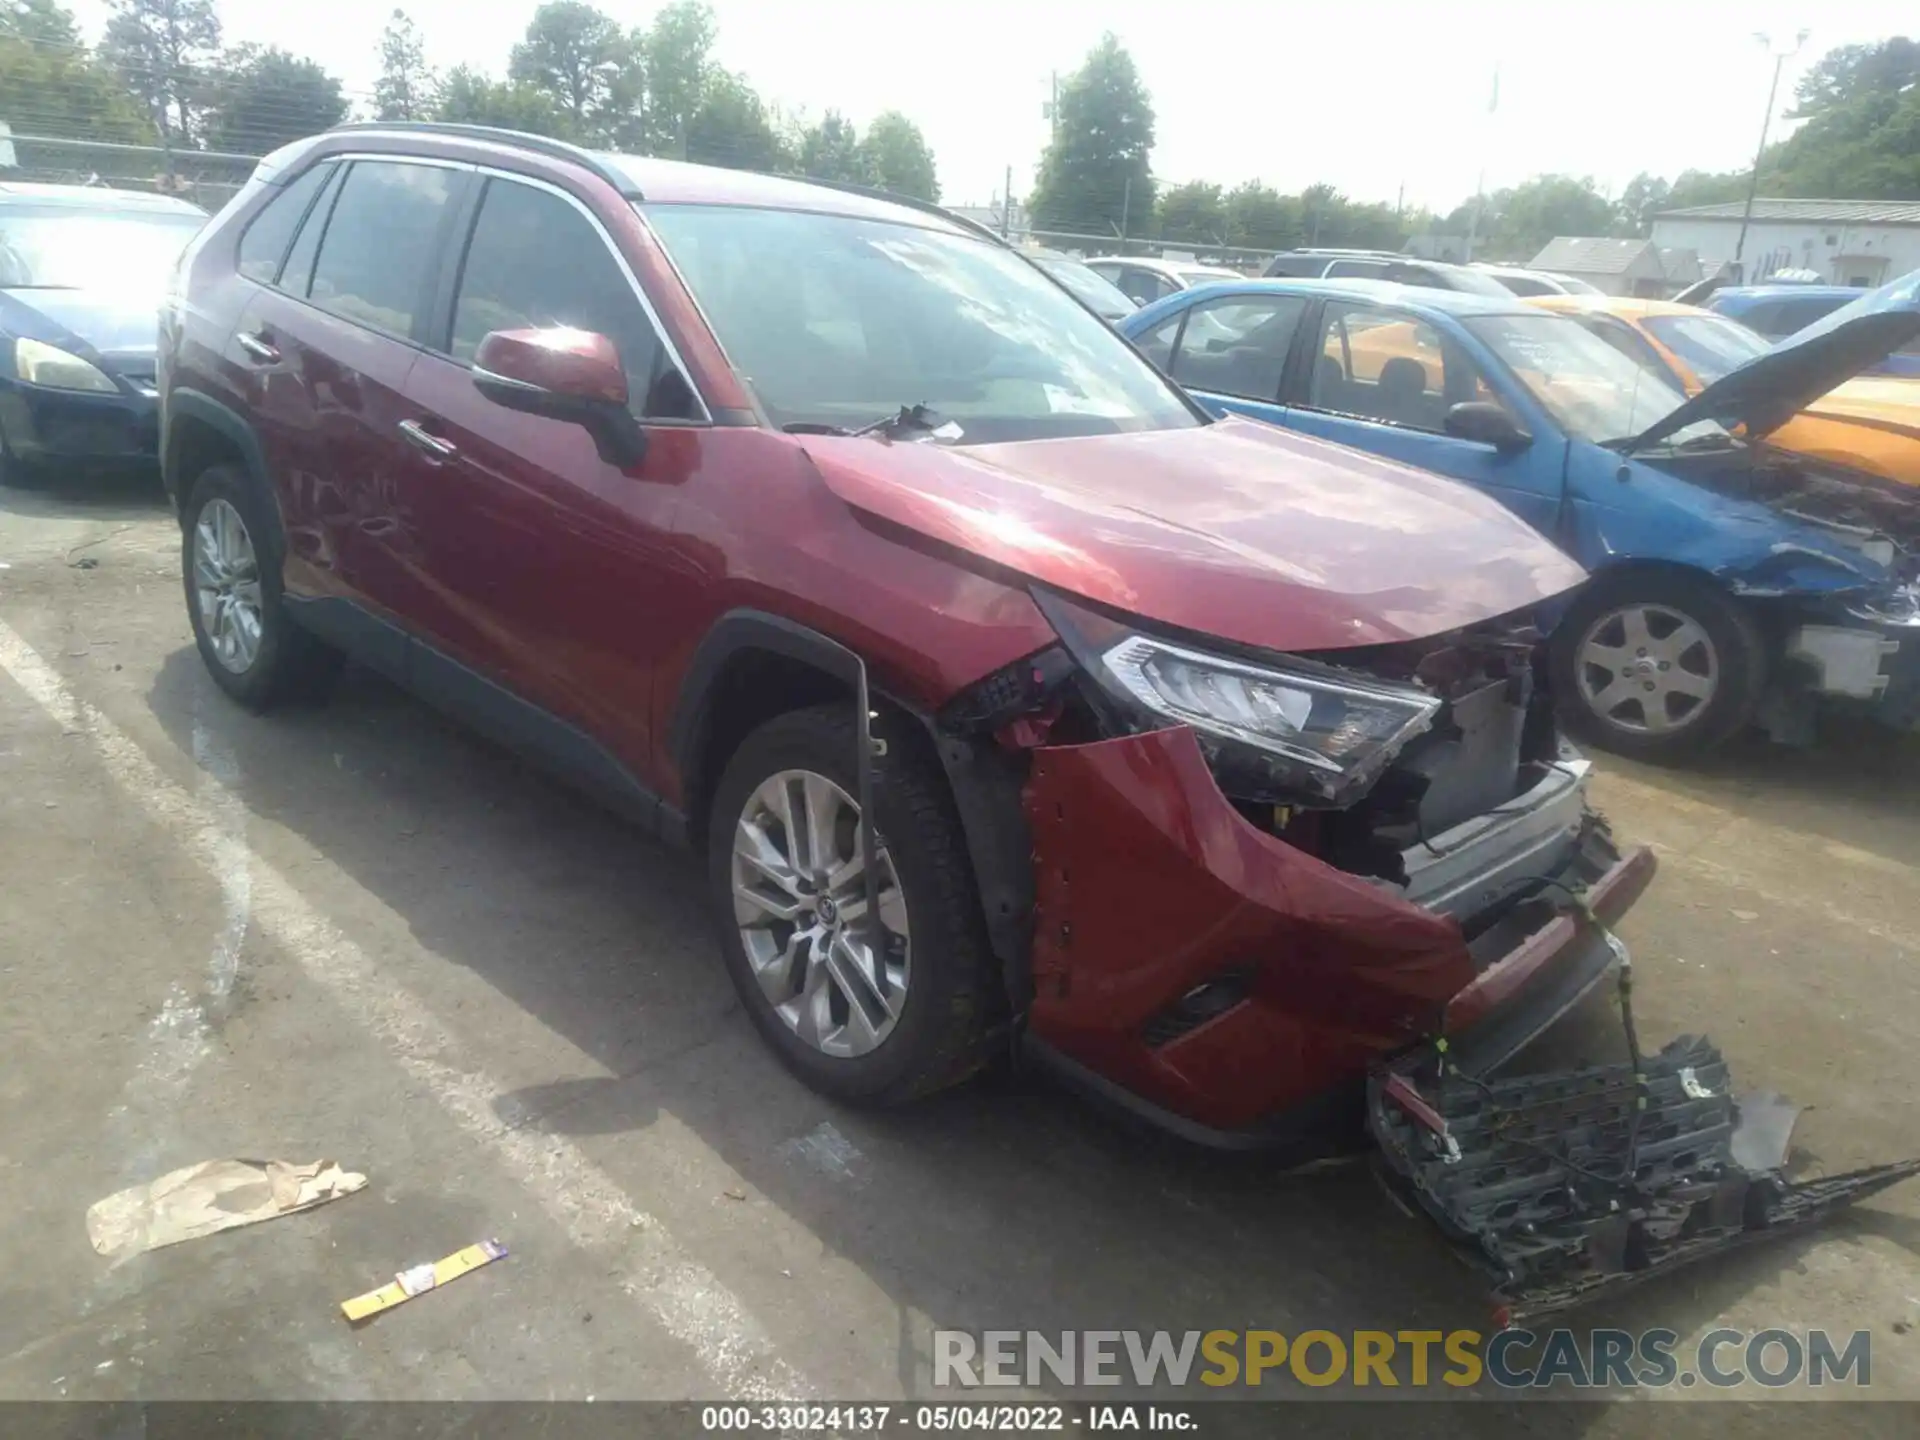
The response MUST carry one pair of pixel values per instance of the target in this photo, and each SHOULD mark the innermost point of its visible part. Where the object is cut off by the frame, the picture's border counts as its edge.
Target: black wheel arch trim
(188, 404)
(985, 786)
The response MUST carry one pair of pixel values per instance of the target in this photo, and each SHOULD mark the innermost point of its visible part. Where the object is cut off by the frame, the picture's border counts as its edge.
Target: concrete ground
(351, 932)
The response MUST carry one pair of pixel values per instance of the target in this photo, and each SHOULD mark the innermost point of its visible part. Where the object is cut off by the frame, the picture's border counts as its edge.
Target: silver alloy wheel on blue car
(799, 900)
(226, 586)
(1647, 669)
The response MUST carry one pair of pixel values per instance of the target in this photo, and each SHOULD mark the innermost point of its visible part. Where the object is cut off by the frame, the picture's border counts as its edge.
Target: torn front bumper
(1564, 1185)
(1238, 991)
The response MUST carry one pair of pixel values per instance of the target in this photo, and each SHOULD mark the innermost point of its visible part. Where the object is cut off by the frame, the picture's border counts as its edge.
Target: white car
(1146, 280)
(1536, 282)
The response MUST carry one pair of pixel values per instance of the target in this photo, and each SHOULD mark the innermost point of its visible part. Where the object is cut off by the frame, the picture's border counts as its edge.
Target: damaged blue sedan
(1733, 584)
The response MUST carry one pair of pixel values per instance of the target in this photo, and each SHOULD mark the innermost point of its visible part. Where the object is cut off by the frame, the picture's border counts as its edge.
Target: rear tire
(803, 764)
(1658, 665)
(231, 572)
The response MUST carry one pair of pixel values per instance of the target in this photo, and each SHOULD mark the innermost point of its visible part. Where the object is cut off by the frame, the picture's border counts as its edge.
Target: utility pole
(1480, 185)
(1126, 204)
(1780, 58)
(1006, 206)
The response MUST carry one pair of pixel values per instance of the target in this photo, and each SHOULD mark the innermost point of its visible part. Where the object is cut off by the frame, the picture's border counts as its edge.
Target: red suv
(1013, 704)
(1009, 699)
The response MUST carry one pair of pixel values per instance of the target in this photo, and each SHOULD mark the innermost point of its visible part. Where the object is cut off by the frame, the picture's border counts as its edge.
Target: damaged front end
(1338, 942)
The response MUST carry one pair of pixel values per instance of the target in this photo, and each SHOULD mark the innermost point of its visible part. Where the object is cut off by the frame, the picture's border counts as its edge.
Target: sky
(1381, 100)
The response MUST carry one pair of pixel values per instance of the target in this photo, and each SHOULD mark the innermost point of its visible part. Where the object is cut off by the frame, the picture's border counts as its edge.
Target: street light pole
(1780, 58)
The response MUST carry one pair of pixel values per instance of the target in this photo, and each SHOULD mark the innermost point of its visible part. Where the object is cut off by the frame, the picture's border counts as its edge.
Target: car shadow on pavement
(112, 494)
(1004, 1204)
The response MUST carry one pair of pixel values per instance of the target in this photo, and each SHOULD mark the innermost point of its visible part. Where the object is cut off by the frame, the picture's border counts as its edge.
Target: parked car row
(1733, 582)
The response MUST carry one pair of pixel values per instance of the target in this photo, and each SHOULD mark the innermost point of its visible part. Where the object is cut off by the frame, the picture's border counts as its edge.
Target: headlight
(38, 363)
(1321, 730)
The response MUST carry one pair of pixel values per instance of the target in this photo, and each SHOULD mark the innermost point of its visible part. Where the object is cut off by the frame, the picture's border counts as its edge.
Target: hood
(109, 321)
(1236, 529)
(1770, 389)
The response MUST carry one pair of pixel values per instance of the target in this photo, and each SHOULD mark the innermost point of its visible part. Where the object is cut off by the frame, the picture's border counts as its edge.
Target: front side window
(1238, 346)
(1591, 389)
(1386, 366)
(265, 244)
(381, 239)
(536, 262)
(861, 317)
(1710, 344)
(87, 247)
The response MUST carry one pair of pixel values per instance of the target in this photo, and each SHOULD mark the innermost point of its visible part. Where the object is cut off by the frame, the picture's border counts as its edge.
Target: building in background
(1843, 242)
(1613, 267)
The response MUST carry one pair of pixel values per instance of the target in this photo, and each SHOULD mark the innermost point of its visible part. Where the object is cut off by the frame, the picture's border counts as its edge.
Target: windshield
(1710, 344)
(65, 247)
(839, 320)
(1103, 295)
(1593, 391)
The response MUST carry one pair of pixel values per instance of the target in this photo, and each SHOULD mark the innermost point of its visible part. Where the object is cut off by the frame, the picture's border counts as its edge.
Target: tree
(1094, 175)
(1261, 218)
(585, 63)
(831, 151)
(1194, 211)
(266, 97)
(1861, 139)
(677, 47)
(405, 89)
(898, 157)
(50, 85)
(1702, 187)
(1533, 212)
(159, 48)
(470, 98)
(1644, 197)
(732, 128)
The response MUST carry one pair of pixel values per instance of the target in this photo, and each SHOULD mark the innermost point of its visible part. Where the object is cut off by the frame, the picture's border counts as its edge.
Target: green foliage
(677, 48)
(1644, 197)
(1861, 139)
(831, 151)
(161, 50)
(731, 127)
(1094, 176)
(50, 85)
(1195, 211)
(266, 97)
(469, 98)
(1703, 187)
(1259, 217)
(897, 156)
(406, 87)
(586, 65)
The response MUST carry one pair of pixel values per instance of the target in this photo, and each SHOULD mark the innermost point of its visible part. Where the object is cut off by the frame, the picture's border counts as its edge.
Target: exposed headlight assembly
(39, 363)
(1315, 730)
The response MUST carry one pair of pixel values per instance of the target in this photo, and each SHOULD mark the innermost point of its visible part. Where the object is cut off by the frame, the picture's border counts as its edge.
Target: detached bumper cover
(1528, 1176)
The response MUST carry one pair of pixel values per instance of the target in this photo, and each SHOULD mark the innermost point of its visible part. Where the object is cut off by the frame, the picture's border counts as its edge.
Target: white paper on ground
(209, 1197)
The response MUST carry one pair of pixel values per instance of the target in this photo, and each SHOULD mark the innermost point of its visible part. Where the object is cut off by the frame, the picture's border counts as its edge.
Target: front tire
(231, 572)
(1657, 665)
(789, 896)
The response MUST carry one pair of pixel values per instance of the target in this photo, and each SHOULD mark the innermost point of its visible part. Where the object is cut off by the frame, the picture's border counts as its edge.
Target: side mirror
(563, 374)
(1487, 423)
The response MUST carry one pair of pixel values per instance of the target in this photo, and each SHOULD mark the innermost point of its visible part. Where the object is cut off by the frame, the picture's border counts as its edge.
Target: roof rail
(520, 139)
(927, 207)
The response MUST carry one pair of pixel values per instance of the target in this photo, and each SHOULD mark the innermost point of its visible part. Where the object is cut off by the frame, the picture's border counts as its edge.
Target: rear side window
(1525, 285)
(535, 262)
(264, 245)
(297, 274)
(380, 243)
(1360, 269)
(1238, 346)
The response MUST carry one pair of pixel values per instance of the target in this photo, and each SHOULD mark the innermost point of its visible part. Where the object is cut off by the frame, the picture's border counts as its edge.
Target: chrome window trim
(633, 281)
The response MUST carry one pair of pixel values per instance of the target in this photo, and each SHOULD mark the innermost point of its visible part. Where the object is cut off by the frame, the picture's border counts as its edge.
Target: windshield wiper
(909, 419)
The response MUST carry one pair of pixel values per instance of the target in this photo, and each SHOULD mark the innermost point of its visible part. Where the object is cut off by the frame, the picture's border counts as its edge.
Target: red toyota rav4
(1012, 703)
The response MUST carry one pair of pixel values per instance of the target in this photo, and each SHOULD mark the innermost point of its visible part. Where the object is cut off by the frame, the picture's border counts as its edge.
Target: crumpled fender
(1148, 883)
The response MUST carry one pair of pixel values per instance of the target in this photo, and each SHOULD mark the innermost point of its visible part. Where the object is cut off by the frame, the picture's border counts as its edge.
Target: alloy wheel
(226, 586)
(1648, 669)
(800, 901)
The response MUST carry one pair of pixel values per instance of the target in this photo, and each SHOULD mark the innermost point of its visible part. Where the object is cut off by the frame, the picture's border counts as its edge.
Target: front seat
(1401, 393)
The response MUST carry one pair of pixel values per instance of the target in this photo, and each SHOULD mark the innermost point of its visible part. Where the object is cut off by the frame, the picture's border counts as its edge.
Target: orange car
(1871, 423)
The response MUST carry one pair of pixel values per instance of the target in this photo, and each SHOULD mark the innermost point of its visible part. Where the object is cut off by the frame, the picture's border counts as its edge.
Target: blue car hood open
(1770, 389)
